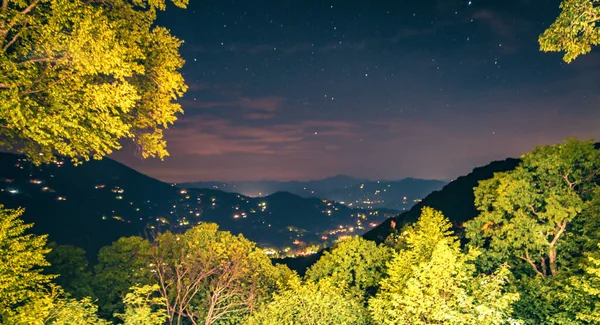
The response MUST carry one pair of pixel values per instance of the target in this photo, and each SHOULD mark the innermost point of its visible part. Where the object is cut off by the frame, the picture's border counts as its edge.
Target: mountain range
(353, 192)
(455, 200)
(95, 203)
(312, 188)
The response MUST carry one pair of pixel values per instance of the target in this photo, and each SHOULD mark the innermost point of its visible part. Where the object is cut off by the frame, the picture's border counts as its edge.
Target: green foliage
(21, 260)
(78, 76)
(310, 303)
(143, 306)
(431, 281)
(71, 267)
(545, 301)
(575, 30)
(590, 286)
(588, 225)
(122, 265)
(528, 214)
(52, 308)
(357, 262)
(211, 275)
(574, 300)
(415, 245)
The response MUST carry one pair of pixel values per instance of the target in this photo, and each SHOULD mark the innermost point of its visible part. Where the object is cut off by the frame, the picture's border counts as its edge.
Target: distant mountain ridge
(351, 191)
(96, 203)
(311, 188)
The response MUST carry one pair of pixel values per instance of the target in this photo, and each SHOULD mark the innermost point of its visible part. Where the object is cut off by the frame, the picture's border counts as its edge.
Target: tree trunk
(209, 314)
(552, 261)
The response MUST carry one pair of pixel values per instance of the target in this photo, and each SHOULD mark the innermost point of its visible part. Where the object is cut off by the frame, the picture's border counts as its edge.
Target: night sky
(379, 89)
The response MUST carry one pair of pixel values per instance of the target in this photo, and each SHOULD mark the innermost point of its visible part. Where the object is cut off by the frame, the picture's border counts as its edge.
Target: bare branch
(14, 39)
(591, 176)
(54, 60)
(561, 229)
(566, 178)
(527, 259)
(54, 83)
(30, 7)
(533, 209)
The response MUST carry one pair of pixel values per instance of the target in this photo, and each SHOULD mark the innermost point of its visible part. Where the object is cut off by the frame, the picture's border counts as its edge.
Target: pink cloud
(258, 116)
(212, 136)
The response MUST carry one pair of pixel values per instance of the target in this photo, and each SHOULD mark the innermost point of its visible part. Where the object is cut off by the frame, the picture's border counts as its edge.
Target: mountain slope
(455, 200)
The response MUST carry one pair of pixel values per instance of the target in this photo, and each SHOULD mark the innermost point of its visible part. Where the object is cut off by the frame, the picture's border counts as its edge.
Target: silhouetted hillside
(455, 200)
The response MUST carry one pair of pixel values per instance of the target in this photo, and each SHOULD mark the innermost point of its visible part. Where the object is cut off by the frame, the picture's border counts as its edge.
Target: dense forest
(531, 256)
(77, 77)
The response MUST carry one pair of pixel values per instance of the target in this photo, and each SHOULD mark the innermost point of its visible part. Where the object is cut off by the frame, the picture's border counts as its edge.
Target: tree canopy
(71, 268)
(526, 214)
(143, 306)
(431, 281)
(590, 286)
(357, 262)
(123, 264)
(575, 30)
(212, 275)
(22, 257)
(51, 307)
(321, 303)
(76, 77)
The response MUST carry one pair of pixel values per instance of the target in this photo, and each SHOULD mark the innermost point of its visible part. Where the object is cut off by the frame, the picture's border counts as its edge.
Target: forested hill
(455, 200)
(96, 203)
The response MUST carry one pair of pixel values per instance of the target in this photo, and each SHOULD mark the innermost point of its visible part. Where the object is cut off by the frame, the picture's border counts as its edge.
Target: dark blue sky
(377, 89)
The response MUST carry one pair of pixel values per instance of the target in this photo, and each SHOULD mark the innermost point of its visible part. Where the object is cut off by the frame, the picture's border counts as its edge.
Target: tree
(22, 257)
(71, 267)
(76, 77)
(122, 265)
(50, 307)
(575, 31)
(143, 307)
(357, 262)
(526, 214)
(431, 281)
(211, 275)
(26, 294)
(322, 303)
